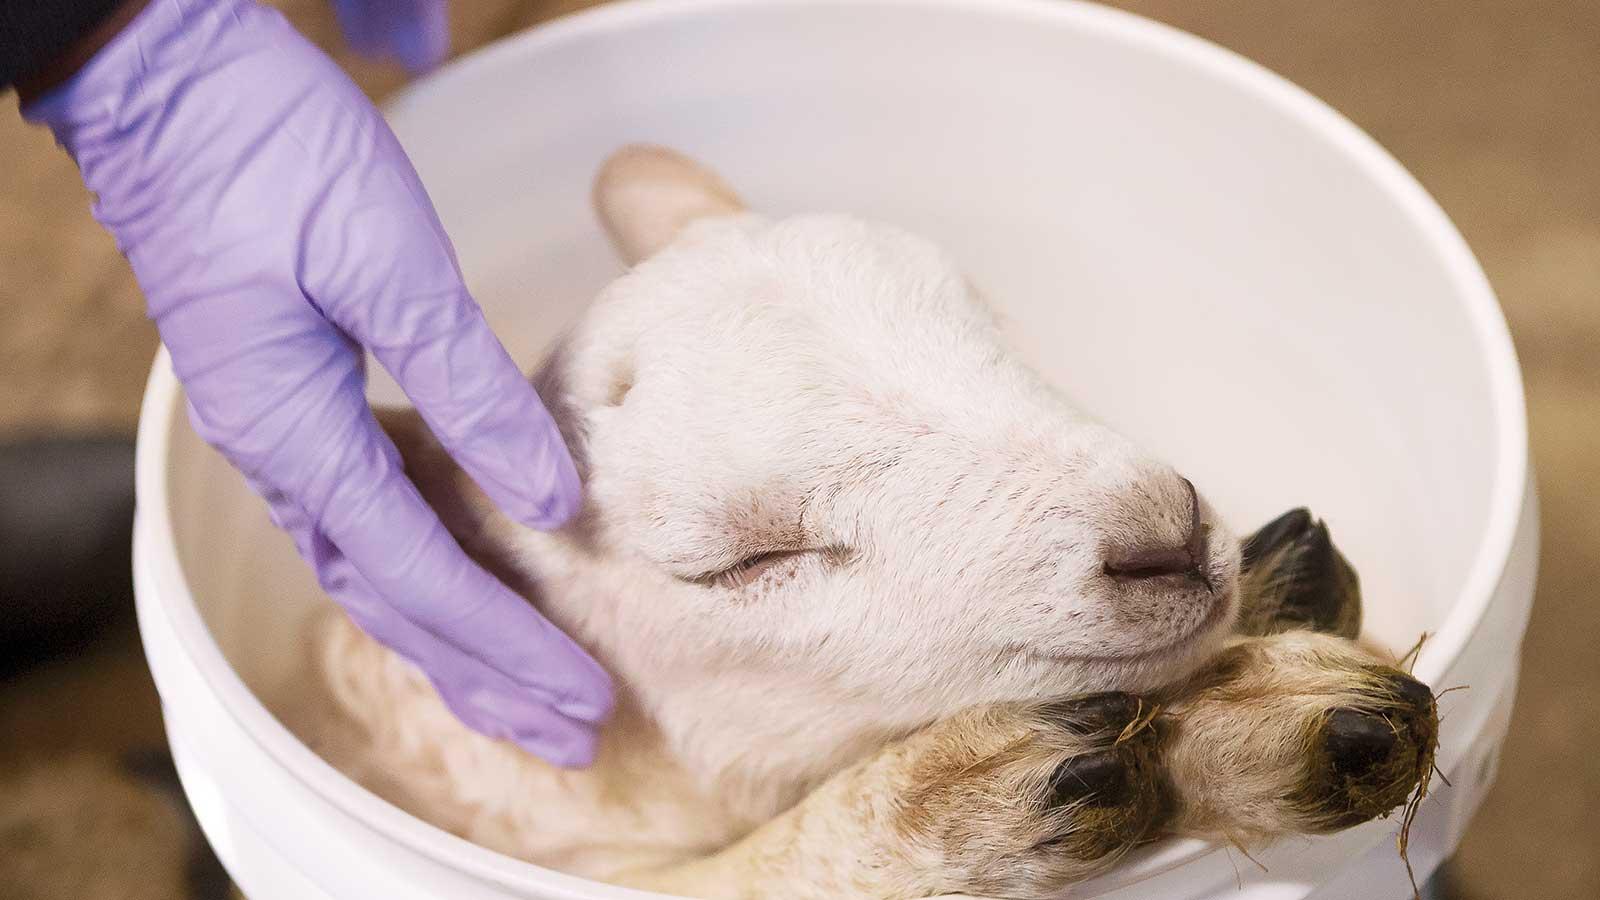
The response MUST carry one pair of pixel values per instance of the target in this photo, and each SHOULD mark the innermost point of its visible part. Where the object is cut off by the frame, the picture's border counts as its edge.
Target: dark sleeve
(33, 32)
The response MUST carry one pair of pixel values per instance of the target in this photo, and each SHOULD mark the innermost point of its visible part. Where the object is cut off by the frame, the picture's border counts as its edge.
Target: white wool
(833, 387)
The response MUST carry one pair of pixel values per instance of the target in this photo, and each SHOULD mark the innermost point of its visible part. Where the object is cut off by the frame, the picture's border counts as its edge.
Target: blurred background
(1495, 106)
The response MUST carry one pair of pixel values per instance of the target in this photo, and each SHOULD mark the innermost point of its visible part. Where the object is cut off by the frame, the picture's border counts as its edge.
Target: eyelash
(748, 569)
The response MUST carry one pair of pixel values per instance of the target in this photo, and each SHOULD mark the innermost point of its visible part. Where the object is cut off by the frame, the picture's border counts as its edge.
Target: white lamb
(888, 616)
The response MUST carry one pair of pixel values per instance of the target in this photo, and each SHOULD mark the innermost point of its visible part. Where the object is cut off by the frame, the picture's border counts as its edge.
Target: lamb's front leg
(1293, 733)
(1294, 728)
(1012, 800)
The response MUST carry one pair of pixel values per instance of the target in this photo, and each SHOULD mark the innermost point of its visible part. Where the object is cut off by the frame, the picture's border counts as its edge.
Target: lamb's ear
(645, 195)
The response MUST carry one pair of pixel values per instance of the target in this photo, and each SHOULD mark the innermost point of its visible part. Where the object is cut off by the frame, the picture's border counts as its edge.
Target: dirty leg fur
(1296, 732)
(1015, 800)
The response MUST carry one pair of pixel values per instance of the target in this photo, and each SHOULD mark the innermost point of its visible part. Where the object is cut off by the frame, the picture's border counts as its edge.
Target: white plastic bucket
(1158, 220)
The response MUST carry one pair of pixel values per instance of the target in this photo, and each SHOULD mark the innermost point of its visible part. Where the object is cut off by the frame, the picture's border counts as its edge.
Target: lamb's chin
(1143, 672)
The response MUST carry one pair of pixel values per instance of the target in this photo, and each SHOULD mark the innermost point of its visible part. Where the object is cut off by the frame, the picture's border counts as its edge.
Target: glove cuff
(157, 39)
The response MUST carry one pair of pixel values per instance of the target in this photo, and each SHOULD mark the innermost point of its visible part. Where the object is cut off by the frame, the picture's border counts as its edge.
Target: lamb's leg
(1290, 730)
(1296, 732)
(1013, 801)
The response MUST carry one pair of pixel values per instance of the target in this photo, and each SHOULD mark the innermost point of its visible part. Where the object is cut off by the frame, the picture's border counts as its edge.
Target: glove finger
(585, 698)
(486, 414)
(483, 699)
(416, 33)
(535, 727)
(383, 271)
(379, 521)
(301, 429)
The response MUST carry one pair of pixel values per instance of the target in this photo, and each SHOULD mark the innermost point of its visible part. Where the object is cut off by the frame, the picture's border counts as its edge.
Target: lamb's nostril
(1197, 529)
(1157, 561)
(1150, 562)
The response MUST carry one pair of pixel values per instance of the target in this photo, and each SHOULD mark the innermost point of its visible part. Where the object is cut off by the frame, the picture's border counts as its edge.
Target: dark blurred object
(66, 532)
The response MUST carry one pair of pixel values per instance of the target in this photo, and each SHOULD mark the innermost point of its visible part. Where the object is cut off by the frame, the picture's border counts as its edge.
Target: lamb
(889, 616)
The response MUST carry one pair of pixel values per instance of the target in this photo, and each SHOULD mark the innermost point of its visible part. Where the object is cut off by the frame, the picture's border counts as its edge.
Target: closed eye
(768, 564)
(749, 569)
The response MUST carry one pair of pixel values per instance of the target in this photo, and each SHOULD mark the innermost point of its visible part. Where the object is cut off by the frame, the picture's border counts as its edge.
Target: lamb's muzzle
(1187, 559)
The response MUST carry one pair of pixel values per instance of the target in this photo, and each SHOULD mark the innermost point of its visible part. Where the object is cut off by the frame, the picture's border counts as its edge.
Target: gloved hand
(276, 228)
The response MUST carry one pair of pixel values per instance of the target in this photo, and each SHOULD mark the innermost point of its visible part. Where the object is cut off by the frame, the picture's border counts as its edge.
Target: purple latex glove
(276, 227)
(416, 33)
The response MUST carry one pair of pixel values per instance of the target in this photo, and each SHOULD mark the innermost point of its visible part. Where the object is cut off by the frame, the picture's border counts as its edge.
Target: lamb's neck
(659, 803)
(652, 810)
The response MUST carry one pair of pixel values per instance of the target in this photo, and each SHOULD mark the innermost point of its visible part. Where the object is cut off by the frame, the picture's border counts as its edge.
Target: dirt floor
(1494, 105)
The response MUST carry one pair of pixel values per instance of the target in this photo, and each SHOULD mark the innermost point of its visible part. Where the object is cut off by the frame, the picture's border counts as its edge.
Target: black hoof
(1280, 532)
(1100, 779)
(1298, 579)
(1373, 757)
(1415, 694)
(1358, 742)
(1109, 795)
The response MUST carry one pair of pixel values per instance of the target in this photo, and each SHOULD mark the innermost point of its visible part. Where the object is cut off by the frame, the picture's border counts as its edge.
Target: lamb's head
(825, 504)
